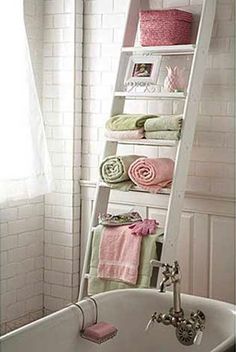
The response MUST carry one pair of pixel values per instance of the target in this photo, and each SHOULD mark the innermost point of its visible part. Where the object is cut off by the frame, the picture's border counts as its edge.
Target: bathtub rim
(223, 347)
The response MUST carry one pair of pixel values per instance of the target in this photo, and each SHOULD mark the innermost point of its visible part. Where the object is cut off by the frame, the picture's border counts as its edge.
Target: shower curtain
(25, 169)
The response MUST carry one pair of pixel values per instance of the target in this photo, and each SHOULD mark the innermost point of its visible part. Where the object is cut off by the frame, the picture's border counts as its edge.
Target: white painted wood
(222, 259)
(172, 224)
(200, 255)
(86, 210)
(100, 206)
(193, 202)
(132, 22)
(148, 142)
(189, 122)
(148, 96)
(165, 191)
(184, 256)
(163, 50)
(103, 193)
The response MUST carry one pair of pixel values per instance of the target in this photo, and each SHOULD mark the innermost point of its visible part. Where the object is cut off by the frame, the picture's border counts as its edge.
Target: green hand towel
(126, 122)
(148, 252)
(114, 171)
(164, 123)
(163, 135)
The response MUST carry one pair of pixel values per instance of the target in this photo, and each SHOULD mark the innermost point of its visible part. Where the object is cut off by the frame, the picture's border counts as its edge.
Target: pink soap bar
(100, 332)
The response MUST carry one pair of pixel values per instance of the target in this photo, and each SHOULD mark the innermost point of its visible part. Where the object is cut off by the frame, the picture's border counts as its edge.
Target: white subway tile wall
(40, 239)
(62, 72)
(214, 140)
(22, 222)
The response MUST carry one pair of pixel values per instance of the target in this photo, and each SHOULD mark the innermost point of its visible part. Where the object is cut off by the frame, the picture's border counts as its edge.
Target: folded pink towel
(119, 254)
(152, 174)
(132, 134)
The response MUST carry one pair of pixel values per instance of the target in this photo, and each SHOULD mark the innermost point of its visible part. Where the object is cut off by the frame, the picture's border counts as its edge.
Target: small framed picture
(142, 69)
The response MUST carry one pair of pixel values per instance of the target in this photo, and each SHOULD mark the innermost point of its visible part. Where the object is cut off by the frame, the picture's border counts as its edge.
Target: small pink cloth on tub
(119, 254)
(129, 134)
(152, 174)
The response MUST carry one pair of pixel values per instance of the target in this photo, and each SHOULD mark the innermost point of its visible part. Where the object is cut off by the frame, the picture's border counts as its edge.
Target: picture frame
(142, 70)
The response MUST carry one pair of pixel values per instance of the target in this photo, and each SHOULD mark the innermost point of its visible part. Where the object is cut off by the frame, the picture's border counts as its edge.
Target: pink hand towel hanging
(119, 255)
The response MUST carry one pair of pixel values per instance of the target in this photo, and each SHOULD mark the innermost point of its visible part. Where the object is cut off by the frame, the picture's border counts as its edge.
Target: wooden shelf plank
(145, 95)
(187, 49)
(164, 191)
(148, 142)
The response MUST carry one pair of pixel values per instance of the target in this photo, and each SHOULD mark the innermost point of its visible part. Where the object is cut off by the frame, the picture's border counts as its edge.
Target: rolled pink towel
(152, 174)
(131, 134)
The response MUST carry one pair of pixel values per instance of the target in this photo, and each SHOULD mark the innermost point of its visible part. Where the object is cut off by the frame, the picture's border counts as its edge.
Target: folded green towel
(164, 123)
(125, 122)
(163, 135)
(114, 171)
(148, 252)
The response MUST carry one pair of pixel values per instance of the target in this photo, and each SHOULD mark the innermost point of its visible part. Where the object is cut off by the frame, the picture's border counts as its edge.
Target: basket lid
(148, 15)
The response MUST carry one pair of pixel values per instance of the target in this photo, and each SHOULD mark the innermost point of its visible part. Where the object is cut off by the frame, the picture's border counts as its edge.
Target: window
(25, 169)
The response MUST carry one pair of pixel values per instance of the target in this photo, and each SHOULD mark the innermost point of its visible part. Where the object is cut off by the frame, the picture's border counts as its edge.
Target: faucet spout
(171, 275)
(162, 286)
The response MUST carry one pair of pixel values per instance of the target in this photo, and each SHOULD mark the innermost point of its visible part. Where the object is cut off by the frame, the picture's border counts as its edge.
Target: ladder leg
(100, 206)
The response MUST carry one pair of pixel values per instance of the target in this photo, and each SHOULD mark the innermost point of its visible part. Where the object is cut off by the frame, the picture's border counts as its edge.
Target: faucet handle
(156, 263)
(198, 317)
(198, 338)
(176, 274)
(151, 322)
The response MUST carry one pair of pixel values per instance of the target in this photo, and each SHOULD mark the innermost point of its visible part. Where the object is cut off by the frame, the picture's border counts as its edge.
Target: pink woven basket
(165, 27)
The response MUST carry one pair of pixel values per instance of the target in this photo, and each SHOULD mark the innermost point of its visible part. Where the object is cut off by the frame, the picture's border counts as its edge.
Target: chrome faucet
(188, 331)
(172, 275)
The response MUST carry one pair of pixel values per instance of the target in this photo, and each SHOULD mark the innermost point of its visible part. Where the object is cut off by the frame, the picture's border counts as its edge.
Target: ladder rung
(165, 191)
(86, 276)
(147, 96)
(148, 142)
(163, 50)
(159, 240)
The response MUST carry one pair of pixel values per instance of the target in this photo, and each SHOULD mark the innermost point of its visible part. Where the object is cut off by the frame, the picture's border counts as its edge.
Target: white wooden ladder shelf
(199, 51)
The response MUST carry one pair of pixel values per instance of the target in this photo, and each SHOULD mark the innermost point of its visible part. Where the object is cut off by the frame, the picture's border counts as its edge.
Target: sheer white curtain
(25, 170)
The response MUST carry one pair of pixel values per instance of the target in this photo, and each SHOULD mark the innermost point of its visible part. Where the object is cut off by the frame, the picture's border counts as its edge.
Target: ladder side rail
(172, 225)
(101, 199)
(102, 194)
(132, 21)
(100, 205)
(130, 33)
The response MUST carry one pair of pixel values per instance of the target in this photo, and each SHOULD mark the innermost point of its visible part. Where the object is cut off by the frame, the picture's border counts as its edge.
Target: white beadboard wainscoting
(206, 249)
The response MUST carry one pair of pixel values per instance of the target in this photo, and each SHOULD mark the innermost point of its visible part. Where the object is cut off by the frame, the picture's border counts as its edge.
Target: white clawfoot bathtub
(129, 310)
